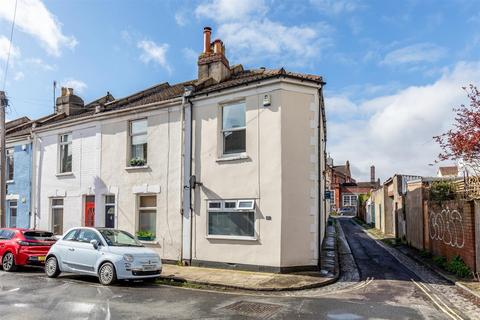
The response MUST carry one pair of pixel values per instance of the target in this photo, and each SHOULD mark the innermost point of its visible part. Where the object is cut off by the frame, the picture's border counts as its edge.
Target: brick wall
(450, 228)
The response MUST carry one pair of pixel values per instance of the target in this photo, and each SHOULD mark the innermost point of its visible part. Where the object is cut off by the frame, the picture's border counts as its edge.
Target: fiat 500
(109, 254)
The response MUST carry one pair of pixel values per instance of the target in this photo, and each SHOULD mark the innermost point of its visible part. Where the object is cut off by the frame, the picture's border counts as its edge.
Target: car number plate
(148, 267)
(41, 258)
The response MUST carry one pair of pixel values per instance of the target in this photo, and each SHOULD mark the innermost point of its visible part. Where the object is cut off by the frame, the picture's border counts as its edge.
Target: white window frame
(131, 135)
(236, 209)
(10, 213)
(10, 155)
(59, 156)
(222, 131)
(139, 209)
(114, 204)
(349, 200)
(52, 206)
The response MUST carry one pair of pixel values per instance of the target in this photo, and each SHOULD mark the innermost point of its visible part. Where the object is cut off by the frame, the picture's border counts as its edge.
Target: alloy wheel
(107, 274)
(8, 262)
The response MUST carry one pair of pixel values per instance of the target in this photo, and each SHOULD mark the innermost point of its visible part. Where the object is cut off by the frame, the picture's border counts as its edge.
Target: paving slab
(245, 280)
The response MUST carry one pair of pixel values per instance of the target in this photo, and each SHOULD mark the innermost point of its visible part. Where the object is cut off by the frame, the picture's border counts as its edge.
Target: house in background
(337, 175)
(18, 172)
(224, 170)
(447, 172)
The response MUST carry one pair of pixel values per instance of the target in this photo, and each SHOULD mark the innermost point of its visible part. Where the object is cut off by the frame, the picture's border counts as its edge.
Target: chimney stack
(69, 103)
(212, 65)
(207, 32)
(372, 174)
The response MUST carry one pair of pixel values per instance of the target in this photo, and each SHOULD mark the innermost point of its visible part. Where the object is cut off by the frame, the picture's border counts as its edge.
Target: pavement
(374, 283)
(262, 281)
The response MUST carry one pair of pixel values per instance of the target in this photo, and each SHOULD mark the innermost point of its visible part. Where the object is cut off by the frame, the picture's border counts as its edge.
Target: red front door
(89, 211)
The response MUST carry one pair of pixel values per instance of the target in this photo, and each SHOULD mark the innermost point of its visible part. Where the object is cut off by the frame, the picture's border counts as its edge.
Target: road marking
(444, 308)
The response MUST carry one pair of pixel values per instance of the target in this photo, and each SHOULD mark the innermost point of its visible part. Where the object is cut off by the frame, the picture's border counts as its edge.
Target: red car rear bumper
(30, 258)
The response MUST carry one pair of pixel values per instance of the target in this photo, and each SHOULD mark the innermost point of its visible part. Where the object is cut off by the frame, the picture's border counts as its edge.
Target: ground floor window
(12, 208)
(147, 216)
(57, 215)
(231, 218)
(109, 211)
(349, 200)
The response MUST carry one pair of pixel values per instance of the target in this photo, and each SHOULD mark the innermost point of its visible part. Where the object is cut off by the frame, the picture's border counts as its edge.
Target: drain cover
(257, 309)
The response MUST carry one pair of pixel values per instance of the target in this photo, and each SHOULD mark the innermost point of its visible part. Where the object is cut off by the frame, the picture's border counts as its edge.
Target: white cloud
(417, 53)
(395, 131)
(4, 46)
(249, 34)
(228, 10)
(152, 52)
(37, 62)
(335, 6)
(19, 76)
(35, 19)
(181, 19)
(190, 54)
(78, 85)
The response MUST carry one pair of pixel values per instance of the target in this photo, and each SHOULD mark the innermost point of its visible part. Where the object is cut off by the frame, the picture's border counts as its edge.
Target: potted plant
(145, 235)
(137, 162)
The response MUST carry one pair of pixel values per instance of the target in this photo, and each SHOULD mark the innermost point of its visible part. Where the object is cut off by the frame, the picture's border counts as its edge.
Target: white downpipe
(186, 174)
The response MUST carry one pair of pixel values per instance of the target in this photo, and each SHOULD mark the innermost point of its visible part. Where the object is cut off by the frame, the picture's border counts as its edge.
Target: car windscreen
(39, 235)
(119, 238)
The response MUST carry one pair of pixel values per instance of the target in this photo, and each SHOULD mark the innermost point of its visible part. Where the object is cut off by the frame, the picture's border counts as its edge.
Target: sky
(394, 69)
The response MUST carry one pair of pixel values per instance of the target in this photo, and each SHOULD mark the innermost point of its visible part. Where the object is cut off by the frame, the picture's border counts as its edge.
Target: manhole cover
(256, 309)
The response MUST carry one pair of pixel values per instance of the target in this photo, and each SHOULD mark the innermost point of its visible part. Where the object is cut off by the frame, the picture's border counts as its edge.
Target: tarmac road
(386, 292)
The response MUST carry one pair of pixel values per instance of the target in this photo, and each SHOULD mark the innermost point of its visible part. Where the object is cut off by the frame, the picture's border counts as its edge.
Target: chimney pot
(217, 46)
(64, 91)
(207, 32)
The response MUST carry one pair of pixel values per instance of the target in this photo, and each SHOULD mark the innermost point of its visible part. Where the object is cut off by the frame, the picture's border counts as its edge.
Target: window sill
(9, 181)
(233, 157)
(231, 238)
(148, 242)
(132, 168)
(64, 174)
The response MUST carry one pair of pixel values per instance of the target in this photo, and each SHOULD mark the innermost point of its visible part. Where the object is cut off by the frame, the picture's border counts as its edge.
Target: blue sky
(394, 69)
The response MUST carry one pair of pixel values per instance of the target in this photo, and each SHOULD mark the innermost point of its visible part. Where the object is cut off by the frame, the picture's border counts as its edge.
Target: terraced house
(225, 170)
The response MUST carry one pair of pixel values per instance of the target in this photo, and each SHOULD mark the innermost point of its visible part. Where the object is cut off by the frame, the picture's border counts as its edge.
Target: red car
(19, 247)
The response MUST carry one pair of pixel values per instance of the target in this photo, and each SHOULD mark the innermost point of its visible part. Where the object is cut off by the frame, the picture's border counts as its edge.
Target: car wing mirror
(95, 243)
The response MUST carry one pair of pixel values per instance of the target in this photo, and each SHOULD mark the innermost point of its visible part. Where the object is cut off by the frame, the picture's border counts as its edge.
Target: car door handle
(71, 249)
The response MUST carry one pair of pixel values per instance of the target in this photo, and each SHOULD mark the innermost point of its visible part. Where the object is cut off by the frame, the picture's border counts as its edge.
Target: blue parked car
(109, 254)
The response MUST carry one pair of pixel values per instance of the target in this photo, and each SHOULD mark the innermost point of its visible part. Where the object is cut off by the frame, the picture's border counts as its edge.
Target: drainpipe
(322, 154)
(186, 174)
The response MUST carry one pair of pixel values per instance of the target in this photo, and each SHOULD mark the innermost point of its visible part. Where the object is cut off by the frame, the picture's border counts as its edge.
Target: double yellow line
(438, 302)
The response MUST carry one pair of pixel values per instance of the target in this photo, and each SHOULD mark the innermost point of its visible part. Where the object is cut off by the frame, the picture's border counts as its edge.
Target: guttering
(108, 114)
(186, 174)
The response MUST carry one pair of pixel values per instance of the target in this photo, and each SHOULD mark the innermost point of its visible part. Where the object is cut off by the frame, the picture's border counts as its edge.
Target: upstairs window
(10, 164)
(65, 153)
(138, 142)
(349, 200)
(234, 128)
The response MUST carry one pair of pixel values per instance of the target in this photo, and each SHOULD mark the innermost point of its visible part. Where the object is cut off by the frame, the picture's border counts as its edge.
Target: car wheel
(51, 267)
(107, 274)
(8, 262)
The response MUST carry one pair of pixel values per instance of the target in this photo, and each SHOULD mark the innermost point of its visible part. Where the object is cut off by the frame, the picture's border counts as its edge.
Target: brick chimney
(372, 174)
(69, 103)
(212, 63)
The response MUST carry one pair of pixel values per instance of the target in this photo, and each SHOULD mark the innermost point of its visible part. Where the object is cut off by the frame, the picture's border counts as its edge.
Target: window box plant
(137, 162)
(145, 235)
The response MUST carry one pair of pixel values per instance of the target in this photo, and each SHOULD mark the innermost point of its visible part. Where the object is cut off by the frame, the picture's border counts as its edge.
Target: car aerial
(109, 254)
(19, 247)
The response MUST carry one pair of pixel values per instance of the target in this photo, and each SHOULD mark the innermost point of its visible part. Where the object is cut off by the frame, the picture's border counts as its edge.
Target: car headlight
(128, 257)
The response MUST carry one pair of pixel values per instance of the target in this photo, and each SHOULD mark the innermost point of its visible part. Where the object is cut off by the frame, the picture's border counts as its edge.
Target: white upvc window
(57, 215)
(65, 153)
(147, 216)
(10, 164)
(138, 134)
(349, 200)
(231, 219)
(234, 128)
